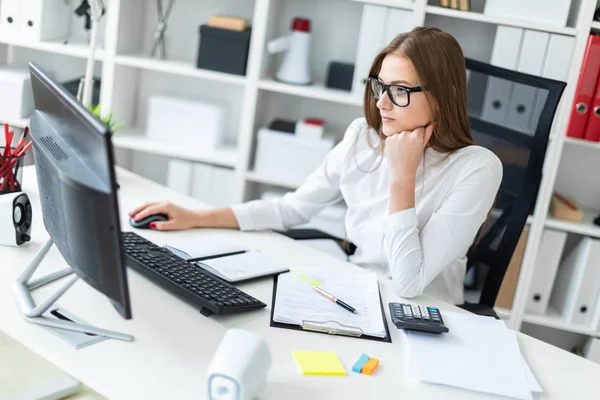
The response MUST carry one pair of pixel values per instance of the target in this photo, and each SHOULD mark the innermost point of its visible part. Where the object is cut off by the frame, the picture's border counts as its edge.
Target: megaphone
(295, 67)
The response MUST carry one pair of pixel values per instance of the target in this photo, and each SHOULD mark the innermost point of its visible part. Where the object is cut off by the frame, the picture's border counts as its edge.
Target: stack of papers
(226, 258)
(298, 303)
(478, 353)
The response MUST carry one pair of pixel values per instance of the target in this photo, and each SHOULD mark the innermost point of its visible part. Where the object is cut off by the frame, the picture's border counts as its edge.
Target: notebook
(298, 306)
(243, 267)
(226, 258)
(204, 247)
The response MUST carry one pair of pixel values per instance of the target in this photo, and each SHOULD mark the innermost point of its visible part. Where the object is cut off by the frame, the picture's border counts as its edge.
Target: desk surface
(174, 343)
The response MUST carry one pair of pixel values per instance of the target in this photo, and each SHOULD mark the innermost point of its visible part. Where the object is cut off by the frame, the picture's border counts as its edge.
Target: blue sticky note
(360, 363)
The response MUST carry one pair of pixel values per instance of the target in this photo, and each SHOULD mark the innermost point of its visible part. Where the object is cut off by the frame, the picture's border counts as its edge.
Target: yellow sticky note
(319, 363)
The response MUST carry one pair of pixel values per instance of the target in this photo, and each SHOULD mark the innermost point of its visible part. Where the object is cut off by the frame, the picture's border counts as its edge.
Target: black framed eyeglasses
(398, 94)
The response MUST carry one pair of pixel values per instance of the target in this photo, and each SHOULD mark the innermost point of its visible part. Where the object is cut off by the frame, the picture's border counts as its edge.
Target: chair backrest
(510, 113)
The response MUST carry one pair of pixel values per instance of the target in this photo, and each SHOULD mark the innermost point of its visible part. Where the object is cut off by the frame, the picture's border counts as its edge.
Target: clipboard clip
(326, 327)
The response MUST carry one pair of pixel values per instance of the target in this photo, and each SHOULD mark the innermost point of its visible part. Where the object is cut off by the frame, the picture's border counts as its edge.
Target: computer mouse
(144, 223)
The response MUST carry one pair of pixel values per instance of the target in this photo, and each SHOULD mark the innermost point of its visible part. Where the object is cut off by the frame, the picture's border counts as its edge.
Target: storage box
(35, 20)
(554, 12)
(288, 157)
(223, 50)
(16, 95)
(188, 123)
(561, 210)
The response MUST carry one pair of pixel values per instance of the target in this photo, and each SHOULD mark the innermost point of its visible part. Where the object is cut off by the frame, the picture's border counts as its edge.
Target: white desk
(174, 343)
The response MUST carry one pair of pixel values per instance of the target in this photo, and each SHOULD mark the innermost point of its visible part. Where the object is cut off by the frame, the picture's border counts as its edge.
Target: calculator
(417, 318)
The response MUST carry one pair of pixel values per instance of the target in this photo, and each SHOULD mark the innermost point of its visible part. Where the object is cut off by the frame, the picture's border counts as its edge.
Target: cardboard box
(509, 284)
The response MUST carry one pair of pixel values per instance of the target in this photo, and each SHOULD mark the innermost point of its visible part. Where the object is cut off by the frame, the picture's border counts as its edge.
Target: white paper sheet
(297, 301)
(479, 353)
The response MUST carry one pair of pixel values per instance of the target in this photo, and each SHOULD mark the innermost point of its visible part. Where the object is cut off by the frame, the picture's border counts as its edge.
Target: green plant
(109, 119)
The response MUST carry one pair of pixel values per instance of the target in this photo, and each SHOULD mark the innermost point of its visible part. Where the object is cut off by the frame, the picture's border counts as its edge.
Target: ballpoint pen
(335, 300)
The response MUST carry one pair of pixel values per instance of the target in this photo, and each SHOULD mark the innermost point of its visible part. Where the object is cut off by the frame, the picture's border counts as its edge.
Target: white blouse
(422, 249)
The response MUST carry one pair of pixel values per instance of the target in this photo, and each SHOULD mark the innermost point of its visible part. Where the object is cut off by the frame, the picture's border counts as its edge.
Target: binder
(505, 54)
(10, 18)
(592, 130)
(202, 183)
(578, 282)
(370, 41)
(223, 186)
(585, 89)
(317, 327)
(545, 270)
(179, 176)
(45, 19)
(397, 21)
(523, 98)
(556, 66)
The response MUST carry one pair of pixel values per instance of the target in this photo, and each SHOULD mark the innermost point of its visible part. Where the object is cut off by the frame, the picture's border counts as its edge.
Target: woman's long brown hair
(440, 66)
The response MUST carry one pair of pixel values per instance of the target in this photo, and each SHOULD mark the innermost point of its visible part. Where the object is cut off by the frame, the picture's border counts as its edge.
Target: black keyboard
(184, 279)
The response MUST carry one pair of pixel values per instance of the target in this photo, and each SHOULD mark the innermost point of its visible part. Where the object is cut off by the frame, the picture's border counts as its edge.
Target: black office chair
(510, 113)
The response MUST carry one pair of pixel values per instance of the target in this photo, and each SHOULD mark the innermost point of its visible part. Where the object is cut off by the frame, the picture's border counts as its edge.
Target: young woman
(416, 186)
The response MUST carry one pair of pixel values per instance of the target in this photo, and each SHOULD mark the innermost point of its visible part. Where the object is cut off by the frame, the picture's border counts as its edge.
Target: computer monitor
(74, 164)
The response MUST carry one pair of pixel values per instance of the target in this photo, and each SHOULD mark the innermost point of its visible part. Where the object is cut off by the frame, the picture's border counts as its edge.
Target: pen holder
(11, 173)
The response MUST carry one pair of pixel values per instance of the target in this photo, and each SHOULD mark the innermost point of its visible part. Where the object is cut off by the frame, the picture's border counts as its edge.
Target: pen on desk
(335, 300)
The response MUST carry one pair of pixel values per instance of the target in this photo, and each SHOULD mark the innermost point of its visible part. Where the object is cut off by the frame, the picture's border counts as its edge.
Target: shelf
(80, 50)
(596, 25)
(490, 19)
(583, 143)
(316, 91)
(502, 312)
(134, 139)
(586, 227)
(183, 68)
(553, 319)
(405, 4)
(254, 177)
(19, 123)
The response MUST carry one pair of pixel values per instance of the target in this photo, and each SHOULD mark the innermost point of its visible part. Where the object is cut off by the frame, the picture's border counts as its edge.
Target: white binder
(505, 54)
(553, 12)
(556, 66)
(397, 21)
(223, 186)
(10, 18)
(545, 270)
(523, 98)
(370, 42)
(179, 176)
(203, 183)
(577, 285)
(45, 19)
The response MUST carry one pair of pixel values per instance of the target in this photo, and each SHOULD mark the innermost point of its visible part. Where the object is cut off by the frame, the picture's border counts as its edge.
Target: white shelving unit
(130, 76)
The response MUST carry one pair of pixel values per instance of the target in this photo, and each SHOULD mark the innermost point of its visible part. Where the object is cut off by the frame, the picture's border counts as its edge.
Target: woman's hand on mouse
(179, 217)
(404, 150)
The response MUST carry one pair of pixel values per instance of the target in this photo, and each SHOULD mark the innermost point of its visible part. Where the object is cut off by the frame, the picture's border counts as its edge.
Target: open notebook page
(204, 246)
(297, 302)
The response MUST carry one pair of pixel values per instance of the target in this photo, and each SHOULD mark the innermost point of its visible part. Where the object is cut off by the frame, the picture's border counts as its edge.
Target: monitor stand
(34, 313)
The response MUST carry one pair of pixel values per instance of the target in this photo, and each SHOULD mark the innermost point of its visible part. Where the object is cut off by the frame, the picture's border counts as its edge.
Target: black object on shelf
(597, 15)
(597, 220)
(283, 125)
(340, 75)
(72, 87)
(223, 50)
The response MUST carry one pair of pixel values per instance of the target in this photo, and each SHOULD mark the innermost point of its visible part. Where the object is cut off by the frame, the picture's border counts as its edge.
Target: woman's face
(398, 69)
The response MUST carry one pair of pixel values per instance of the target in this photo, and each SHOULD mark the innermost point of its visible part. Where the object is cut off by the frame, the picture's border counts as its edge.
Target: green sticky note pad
(319, 363)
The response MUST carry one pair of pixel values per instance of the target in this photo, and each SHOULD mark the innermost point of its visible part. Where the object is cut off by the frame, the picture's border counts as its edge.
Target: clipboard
(318, 327)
